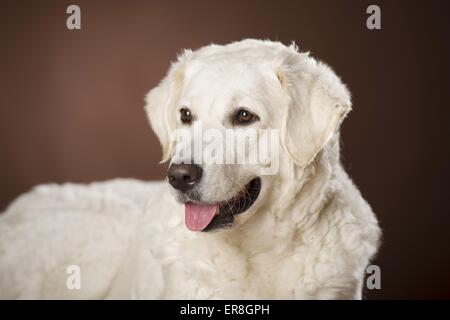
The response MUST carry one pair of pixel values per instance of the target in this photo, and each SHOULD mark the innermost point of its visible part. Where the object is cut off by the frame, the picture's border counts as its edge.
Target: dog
(212, 230)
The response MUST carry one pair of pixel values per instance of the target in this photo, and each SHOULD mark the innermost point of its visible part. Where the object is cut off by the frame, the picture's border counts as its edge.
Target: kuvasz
(213, 230)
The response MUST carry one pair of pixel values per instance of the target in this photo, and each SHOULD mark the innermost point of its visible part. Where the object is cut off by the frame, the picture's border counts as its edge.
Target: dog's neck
(285, 217)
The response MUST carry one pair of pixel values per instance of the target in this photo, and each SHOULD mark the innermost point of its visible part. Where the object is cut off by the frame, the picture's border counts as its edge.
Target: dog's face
(232, 118)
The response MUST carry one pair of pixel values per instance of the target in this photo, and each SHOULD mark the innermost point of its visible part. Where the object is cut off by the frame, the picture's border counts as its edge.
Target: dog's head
(264, 92)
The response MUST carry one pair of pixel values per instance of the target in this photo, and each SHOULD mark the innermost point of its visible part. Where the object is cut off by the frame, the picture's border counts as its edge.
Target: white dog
(215, 230)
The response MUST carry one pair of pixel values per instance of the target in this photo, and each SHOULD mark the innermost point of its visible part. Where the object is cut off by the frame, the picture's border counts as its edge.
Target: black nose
(184, 176)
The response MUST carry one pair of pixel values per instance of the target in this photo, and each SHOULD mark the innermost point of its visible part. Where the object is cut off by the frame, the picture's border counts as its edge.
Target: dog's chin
(224, 211)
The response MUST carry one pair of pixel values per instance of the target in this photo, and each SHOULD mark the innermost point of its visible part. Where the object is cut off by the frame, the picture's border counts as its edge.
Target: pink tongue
(198, 216)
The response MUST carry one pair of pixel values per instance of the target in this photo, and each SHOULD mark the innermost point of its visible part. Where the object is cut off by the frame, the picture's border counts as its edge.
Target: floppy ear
(319, 101)
(160, 104)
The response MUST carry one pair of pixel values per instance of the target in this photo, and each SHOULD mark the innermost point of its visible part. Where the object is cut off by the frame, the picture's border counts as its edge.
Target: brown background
(71, 103)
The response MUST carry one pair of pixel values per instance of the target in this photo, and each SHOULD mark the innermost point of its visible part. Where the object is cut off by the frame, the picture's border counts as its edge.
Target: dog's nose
(184, 176)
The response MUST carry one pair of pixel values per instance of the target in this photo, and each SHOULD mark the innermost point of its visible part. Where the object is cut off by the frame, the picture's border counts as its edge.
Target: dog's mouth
(207, 217)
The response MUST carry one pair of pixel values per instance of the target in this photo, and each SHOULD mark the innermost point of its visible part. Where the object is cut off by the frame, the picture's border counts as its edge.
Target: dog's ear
(318, 102)
(160, 104)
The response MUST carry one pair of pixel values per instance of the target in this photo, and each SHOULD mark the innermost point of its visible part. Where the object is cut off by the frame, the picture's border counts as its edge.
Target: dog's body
(308, 235)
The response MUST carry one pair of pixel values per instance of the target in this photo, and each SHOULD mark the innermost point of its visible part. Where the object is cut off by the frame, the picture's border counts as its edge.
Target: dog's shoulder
(357, 228)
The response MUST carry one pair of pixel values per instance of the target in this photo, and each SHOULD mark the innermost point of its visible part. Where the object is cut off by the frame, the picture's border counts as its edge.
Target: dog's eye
(185, 115)
(243, 116)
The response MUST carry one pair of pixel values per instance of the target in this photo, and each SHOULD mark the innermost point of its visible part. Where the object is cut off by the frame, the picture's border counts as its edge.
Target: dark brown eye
(185, 115)
(243, 116)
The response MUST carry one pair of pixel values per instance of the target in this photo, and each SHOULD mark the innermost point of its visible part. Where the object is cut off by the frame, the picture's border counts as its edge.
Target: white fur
(309, 235)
